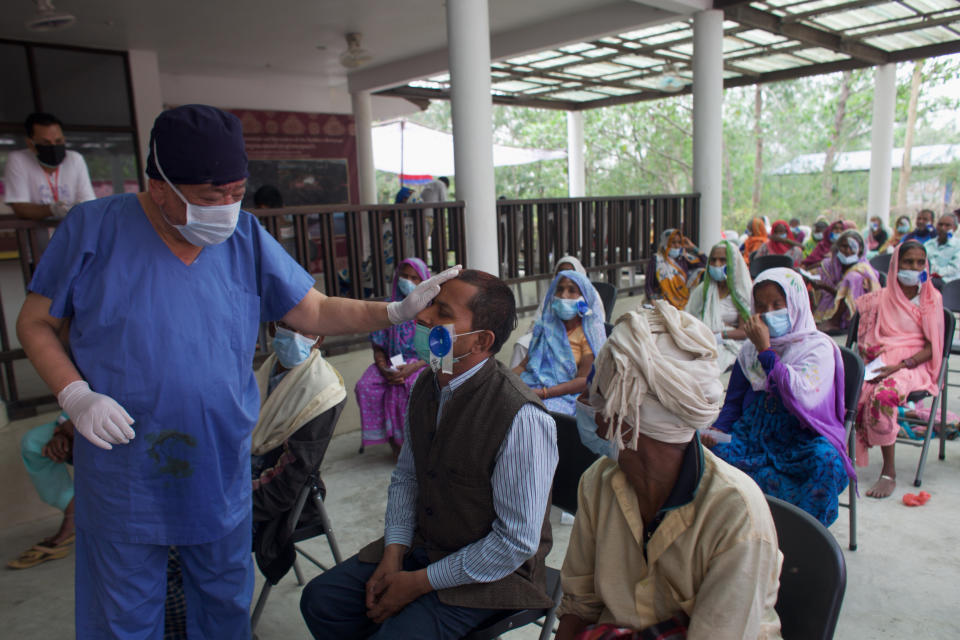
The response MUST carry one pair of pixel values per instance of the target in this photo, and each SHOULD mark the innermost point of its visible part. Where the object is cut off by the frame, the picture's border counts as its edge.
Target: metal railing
(352, 250)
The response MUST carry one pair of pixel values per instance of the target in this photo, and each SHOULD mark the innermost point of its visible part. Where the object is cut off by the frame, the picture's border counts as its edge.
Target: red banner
(310, 157)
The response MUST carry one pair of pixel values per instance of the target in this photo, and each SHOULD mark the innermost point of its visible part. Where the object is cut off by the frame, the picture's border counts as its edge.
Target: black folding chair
(608, 328)
(296, 532)
(761, 263)
(852, 386)
(881, 262)
(574, 459)
(608, 294)
(814, 574)
(949, 326)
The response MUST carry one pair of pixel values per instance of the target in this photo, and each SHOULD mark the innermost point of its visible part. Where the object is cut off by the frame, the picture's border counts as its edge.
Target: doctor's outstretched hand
(99, 418)
(421, 297)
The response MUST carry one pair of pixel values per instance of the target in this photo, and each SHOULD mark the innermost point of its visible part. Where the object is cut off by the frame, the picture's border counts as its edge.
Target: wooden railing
(352, 250)
(608, 235)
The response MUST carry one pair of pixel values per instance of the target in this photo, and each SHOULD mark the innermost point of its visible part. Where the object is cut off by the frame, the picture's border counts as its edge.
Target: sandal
(46, 547)
(34, 556)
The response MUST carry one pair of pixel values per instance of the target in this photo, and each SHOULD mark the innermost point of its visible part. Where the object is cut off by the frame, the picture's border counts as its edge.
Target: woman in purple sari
(784, 405)
(383, 390)
(844, 276)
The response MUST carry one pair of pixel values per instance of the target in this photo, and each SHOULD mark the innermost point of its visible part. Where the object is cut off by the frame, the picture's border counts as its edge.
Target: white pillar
(576, 171)
(147, 95)
(881, 141)
(708, 122)
(468, 38)
(363, 121)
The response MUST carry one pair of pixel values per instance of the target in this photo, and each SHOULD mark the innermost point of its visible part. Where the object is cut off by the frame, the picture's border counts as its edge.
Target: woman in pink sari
(903, 325)
(383, 390)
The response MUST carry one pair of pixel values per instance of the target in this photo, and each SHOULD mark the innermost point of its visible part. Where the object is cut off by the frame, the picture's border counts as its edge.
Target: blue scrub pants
(121, 587)
(334, 606)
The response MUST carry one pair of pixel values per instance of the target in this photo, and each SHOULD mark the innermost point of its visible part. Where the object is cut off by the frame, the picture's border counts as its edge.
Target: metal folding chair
(949, 326)
(298, 533)
(852, 386)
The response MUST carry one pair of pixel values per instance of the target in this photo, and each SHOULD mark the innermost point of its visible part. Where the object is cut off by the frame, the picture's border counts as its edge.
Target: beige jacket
(714, 558)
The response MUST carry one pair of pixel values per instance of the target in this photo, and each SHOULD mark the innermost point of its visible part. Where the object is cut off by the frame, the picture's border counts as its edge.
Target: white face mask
(206, 225)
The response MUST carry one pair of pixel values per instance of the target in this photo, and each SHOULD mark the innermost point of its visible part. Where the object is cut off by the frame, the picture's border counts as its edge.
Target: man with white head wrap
(668, 535)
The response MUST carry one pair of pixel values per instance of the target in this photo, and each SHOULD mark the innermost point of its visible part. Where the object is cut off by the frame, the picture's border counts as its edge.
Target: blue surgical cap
(197, 144)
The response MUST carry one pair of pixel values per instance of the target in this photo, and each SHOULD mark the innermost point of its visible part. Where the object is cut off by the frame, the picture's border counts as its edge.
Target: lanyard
(54, 184)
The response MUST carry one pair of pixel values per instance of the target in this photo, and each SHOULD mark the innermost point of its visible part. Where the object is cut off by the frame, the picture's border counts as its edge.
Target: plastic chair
(881, 262)
(949, 326)
(762, 263)
(299, 533)
(814, 574)
(608, 294)
(574, 459)
(852, 386)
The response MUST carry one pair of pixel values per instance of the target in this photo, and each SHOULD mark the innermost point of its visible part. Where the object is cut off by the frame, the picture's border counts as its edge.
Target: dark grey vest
(454, 462)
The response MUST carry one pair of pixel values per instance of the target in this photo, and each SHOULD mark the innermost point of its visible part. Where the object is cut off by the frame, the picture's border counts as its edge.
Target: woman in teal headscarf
(722, 301)
(565, 340)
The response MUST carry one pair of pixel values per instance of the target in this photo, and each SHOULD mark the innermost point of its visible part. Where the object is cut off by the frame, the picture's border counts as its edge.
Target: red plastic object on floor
(916, 500)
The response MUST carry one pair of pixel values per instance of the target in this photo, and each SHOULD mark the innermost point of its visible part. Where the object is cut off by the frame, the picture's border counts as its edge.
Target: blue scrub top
(174, 345)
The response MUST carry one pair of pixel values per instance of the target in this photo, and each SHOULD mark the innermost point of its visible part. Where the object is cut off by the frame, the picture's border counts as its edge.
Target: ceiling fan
(47, 18)
(355, 55)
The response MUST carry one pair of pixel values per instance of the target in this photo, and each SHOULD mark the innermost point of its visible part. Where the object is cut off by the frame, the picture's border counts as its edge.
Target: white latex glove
(99, 418)
(60, 208)
(418, 299)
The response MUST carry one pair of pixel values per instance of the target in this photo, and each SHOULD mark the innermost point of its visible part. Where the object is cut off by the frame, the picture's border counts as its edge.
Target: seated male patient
(669, 540)
(466, 529)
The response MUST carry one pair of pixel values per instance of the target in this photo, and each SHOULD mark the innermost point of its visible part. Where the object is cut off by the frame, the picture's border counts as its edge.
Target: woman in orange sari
(903, 325)
(756, 239)
(674, 269)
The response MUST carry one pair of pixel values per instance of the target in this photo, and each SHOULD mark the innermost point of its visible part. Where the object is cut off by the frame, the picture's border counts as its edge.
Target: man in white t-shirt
(45, 179)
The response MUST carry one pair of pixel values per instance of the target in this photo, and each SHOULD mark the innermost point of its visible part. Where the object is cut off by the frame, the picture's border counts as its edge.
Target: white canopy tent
(412, 149)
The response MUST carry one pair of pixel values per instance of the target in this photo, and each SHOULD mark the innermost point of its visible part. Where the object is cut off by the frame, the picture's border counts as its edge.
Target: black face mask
(51, 155)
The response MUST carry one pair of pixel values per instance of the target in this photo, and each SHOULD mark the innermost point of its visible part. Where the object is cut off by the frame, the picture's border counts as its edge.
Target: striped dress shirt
(522, 478)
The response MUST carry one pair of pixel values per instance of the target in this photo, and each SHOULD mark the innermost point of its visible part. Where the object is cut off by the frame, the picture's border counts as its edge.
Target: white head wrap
(658, 372)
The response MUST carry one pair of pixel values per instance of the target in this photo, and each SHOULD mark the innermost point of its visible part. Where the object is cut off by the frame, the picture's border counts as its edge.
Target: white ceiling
(240, 37)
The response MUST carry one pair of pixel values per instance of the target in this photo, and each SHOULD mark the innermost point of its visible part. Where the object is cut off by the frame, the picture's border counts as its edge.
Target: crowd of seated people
(650, 388)
(722, 301)
(674, 269)
(384, 388)
(566, 338)
(845, 275)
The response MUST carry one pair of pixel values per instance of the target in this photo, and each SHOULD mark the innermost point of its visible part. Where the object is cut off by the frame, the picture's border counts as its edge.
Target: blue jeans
(334, 606)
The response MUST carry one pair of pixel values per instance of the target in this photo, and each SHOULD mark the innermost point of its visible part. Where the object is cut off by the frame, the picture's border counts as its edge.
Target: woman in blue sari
(565, 340)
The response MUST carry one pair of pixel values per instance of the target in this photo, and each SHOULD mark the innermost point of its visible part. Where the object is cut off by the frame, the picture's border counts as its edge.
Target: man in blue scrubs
(165, 290)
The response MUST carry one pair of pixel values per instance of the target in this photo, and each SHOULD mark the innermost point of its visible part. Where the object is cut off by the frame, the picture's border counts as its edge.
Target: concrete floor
(901, 581)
